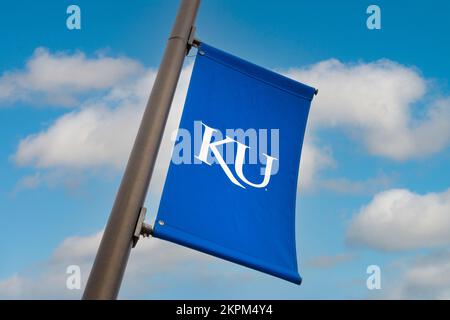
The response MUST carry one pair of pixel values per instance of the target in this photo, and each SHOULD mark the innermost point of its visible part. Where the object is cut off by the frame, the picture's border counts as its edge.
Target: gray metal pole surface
(112, 256)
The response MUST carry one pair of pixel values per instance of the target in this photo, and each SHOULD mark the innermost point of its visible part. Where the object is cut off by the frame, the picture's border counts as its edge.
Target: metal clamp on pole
(142, 228)
(191, 37)
(192, 41)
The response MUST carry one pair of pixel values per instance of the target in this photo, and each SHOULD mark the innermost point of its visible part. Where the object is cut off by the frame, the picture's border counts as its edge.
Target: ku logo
(209, 146)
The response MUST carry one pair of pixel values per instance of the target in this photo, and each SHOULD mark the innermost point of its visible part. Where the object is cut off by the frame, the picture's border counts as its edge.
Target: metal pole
(112, 255)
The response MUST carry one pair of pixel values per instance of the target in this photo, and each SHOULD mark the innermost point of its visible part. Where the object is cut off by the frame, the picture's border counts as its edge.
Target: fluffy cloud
(144, 273)
(425, 277)
(374, 102)
(88, 137)
(101, 131)
(399, 219)
(313, 161)
(59, 78)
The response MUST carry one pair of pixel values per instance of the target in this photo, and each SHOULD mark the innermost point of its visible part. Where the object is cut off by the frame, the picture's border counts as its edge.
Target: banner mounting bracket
(142, 228)
(192, 41)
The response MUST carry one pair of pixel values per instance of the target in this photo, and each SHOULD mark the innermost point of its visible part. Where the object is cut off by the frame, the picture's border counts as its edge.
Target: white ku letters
(208, 146)
(232, 150)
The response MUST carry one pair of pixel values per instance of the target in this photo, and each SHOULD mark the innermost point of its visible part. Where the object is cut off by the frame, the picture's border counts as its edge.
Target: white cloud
(375, 103)
(99, 133)
(88, 137)
(313, 161)
(58, 78)
(153, 265)
(399, 219)
(425, 277)
(48, 280)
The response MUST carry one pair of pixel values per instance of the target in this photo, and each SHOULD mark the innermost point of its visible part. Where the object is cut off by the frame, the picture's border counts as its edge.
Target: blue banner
(231, 186)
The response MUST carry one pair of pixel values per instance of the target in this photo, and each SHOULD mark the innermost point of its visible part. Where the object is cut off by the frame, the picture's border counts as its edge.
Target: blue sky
(376, 171)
